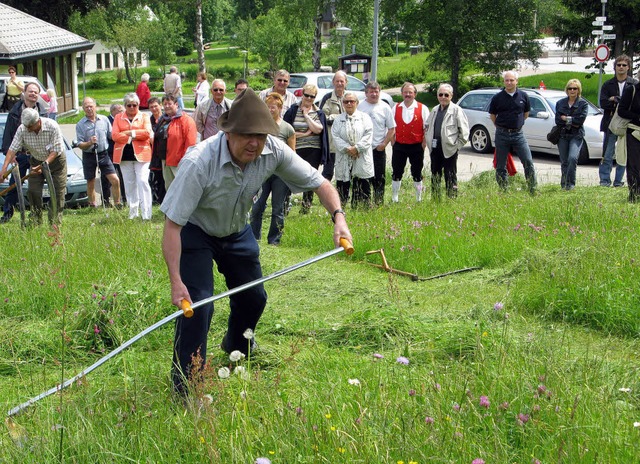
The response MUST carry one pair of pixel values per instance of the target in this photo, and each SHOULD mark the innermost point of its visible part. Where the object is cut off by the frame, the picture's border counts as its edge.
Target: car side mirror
(543, 115)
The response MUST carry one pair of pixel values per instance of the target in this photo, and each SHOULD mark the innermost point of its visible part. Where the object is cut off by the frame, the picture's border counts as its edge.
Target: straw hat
(248, 115)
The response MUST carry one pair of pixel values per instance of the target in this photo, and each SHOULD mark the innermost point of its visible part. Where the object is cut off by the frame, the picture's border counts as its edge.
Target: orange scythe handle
(186, 308)
(348, 247)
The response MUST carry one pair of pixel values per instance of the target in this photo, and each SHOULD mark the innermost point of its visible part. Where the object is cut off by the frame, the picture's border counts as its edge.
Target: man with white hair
(173, 85)
(508, 110)
(42, 138)
(210, 110)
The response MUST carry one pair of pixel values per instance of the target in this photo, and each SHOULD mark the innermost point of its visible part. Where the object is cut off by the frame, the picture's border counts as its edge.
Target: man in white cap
(42, 138)
(206, 211)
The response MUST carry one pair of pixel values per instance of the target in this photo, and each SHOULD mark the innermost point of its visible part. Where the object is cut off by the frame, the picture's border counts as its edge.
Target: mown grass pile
(531, 358)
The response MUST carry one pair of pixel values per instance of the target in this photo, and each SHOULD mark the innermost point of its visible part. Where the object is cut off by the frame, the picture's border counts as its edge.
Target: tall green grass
(533, 357)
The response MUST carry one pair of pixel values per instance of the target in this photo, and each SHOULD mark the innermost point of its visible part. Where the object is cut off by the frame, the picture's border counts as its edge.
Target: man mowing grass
(206, 220)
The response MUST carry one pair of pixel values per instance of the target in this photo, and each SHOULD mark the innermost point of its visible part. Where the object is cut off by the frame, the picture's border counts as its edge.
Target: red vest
(412, 132)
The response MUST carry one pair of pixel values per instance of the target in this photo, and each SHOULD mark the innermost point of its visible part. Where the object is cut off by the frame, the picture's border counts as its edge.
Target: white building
(102, 58)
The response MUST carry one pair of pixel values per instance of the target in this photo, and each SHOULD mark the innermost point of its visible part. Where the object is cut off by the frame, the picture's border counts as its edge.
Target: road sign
(601, 18)
(607, 28)
(597, 23)
(602, 53)
(597, 32)
(608, 36)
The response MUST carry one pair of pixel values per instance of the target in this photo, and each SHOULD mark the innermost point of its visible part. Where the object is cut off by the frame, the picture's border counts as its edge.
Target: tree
(624, 15)
(57, 13)
(486, 35)
(164, 36)
(124, 25)
(279, 41)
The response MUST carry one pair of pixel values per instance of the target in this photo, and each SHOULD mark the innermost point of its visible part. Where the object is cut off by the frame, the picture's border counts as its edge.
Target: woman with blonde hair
(571, 113)
(132, 136)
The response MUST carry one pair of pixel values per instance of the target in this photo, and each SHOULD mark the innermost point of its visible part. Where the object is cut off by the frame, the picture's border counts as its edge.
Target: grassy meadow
(532, 358)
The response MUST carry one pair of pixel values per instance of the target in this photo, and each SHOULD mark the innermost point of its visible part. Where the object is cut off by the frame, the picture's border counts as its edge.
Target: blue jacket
(290, 116)
(578, 112)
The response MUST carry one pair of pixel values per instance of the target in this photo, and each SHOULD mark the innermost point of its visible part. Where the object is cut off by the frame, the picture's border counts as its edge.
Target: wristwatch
(338, 211)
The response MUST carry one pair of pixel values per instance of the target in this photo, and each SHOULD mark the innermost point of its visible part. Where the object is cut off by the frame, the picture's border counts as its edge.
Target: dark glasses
(349, 102)
(443, 95)
(572, 88)
(282, 80)
(131, 105)
(217, 90)
(308, 96)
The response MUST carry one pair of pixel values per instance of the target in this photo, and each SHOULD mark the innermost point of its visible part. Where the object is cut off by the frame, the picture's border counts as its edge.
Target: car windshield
(593, 110)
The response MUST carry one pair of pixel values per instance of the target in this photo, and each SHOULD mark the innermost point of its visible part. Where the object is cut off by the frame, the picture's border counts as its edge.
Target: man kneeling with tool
(206, 220)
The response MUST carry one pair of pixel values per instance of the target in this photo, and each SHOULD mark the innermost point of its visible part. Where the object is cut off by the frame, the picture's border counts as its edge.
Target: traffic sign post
(602, 53)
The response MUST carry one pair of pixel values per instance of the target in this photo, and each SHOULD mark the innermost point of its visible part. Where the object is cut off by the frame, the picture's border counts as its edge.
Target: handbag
(554, 134)
(618, 124)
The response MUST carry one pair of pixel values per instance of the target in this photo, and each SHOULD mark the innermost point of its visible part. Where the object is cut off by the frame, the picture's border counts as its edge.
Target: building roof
(24, 37)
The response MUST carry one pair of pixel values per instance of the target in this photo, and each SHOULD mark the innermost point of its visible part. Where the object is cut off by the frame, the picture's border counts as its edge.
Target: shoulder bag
(618, 125)
(554, 134)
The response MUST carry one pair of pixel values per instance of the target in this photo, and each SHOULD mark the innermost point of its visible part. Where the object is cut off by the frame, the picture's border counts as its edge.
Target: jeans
(569, 149)
(237, 258)
(608, 152)
(12, 197)
(279, 192)
(516, 143)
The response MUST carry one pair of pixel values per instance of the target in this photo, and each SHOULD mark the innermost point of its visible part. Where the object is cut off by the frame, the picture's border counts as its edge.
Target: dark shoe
(6, 218)
(107, 204)
(119, 206)
(619, 185)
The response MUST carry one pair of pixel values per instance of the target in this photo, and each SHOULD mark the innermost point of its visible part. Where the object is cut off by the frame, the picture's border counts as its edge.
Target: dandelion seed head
(354, 382)
(224, 372)
(248, 334)
(236, 356)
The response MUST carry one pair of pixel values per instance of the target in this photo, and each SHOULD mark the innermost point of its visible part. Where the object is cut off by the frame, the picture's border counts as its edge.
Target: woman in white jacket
(447, 132)
(352, 134)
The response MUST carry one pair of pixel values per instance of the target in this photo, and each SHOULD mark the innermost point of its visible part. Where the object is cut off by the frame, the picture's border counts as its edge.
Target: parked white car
(475, 105)
(4, 78)
(323, 81)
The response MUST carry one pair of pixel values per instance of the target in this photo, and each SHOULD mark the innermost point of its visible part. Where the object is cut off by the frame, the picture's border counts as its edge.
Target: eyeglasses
(444, 95)
(282, 80)
(308, 96)
(572, 88)
(131, 105)
(349, 102)
(217, 90)
(622, 65)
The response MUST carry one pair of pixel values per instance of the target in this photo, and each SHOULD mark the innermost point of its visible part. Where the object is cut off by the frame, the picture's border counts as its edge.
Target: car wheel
(583, 157)
(480, 140)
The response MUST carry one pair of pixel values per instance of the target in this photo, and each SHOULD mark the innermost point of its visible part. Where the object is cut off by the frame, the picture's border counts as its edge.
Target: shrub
(97, 82)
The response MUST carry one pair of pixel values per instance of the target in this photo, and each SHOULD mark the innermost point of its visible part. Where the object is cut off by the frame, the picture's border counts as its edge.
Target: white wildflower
(224, 372)
(636, 424)
(354, 382)
(236, 356)
(248, 334)
(625, 390)
(207, 399)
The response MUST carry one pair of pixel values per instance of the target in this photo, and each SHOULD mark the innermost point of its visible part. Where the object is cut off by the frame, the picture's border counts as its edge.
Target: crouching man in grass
(206, 220)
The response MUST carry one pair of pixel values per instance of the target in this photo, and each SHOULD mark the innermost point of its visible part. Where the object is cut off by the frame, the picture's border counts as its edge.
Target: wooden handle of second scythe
(186, 308)
(348, 247)
(12, 186)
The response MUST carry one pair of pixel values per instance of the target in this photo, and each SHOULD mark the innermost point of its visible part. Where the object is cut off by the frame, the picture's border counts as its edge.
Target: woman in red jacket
(143, 91)
(132, 136)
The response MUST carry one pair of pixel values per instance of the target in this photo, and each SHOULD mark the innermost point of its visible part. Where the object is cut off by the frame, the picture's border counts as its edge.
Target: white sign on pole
(601, 18)
(597, 23)
(608, 36)
(597, 32)
(607, 28)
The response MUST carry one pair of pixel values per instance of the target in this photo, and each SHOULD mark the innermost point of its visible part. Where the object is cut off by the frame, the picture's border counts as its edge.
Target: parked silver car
(4, 78)
(76, 183)
(475, 105)
(323, 81)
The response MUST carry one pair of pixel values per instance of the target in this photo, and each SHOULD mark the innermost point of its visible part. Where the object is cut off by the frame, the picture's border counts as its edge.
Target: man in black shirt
(508, 110)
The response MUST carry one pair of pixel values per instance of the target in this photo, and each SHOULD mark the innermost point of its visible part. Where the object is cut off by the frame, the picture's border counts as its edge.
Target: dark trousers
(449, 166)
(361, 194)
(313, 156)
(329, 166)
(379, 170)
(11, 199)
(403, 152)
(633, 167)
(58, 168)
(237, 258)
(106, 185)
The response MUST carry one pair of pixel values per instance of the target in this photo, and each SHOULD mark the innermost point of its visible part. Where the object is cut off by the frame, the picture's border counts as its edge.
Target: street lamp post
(344, 32)
(397, 32)
(244, 67)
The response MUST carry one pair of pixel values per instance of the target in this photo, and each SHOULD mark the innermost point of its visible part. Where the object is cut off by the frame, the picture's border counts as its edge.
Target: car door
(538, 124)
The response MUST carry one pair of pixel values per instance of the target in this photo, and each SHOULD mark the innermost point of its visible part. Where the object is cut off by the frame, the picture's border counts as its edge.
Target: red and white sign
(602, 53)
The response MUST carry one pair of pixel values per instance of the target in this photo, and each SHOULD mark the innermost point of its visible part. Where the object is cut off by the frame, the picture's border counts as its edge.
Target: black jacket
(14, 121)
(610, 89)
(290, 117)
(629, 107)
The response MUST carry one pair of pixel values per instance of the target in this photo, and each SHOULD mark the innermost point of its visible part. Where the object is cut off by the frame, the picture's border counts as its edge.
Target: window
(324, 82)
(107, 60)
(115, 60)
(536, 107)
(355, 84)
(99, 61)
(476, 101)
(139, 58)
